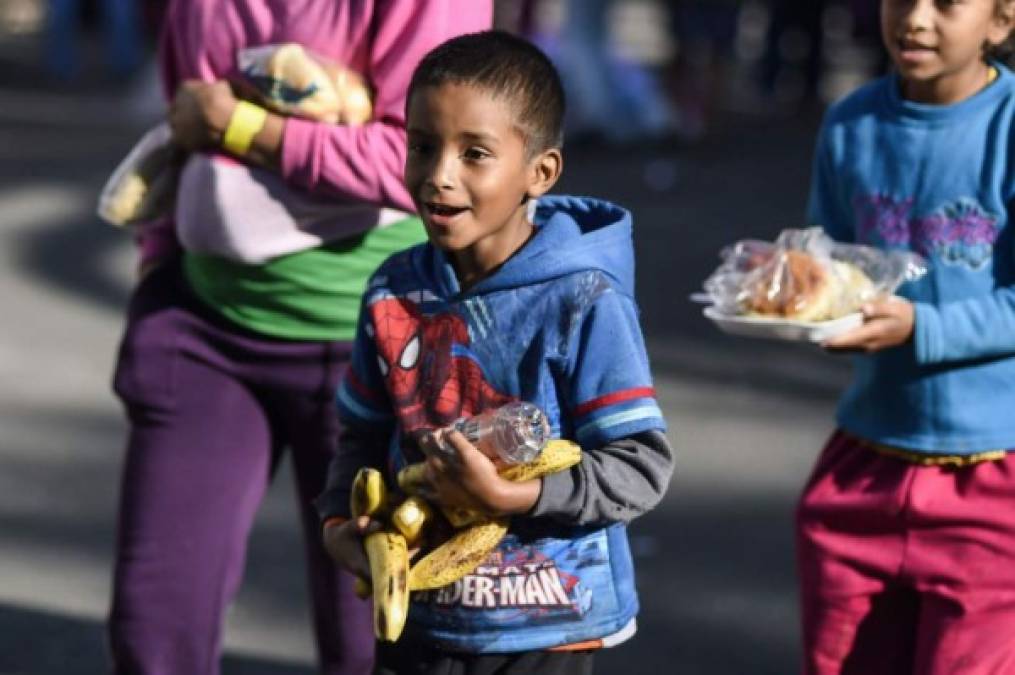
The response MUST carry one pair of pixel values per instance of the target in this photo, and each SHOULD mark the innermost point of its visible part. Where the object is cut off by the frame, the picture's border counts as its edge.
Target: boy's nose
(442, 173)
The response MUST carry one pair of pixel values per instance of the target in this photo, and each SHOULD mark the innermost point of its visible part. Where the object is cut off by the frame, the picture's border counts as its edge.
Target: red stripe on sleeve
(614, 398)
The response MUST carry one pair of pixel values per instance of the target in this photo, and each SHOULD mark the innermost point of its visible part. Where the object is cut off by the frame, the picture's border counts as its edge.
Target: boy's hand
(887, 323)
(460, 475)
(344, 543)
(200, 112)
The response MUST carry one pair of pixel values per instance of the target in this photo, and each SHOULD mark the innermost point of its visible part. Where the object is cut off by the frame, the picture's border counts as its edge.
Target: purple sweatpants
(211, 407)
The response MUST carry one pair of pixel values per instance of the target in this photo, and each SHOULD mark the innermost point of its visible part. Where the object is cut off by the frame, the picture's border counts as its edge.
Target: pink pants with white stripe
(906, 569)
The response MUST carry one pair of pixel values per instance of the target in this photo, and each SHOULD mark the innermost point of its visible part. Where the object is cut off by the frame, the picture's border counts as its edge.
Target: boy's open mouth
(443, 209)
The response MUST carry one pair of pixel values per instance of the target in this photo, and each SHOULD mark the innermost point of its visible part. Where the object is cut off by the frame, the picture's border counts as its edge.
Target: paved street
(715, 560)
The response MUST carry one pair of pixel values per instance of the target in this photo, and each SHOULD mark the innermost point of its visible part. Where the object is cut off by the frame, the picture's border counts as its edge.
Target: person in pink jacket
(241, 327)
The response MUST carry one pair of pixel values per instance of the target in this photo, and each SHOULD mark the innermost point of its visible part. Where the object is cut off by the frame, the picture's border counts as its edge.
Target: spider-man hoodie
(555, 325)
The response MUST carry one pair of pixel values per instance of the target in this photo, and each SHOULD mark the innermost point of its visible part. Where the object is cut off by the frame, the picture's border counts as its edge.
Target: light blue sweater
(936, 180)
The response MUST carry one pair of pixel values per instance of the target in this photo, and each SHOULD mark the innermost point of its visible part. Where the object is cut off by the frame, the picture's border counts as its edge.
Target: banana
(476, 534)
(410, 517)
(412, 478)
(389, 574)
(460, 517)
(557, 455)
(369, 495)
(458, 556)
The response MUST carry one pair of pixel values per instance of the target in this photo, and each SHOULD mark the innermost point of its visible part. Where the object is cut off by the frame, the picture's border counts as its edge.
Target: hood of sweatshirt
(573, 234)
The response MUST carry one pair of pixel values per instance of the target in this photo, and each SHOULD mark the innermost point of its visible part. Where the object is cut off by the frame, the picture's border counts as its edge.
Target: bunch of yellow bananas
(475, 535)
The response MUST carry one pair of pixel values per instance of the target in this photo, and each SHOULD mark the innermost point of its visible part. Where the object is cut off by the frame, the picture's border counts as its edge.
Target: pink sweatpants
(906, 569)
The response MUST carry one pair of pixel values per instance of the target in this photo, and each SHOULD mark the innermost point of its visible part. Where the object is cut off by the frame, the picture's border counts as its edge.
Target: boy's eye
(475, 154)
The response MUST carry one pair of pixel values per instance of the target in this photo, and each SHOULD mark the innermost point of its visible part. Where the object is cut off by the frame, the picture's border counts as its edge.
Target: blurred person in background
(792, 63)
(705, 31)
(866, 17)
(230, 358)
(153, 12)
(122, 35)
(610, 98)
(516, 16)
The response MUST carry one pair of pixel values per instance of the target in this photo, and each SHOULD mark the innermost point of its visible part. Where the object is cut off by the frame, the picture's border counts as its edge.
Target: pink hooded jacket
(381, 39)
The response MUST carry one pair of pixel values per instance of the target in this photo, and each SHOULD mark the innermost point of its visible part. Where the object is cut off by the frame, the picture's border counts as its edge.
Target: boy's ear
(545, 169)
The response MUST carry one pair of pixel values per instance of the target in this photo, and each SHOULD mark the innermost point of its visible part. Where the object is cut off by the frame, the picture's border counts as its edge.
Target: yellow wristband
(245, 123)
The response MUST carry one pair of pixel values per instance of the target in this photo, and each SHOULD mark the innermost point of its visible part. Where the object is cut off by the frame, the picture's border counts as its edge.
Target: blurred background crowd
(637, 70)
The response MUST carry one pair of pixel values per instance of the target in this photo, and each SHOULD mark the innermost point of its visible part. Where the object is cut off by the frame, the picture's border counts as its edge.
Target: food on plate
(799, 286)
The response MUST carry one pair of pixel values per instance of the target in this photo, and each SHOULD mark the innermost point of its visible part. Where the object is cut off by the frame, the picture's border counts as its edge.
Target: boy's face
(937, 45)
(469, 175)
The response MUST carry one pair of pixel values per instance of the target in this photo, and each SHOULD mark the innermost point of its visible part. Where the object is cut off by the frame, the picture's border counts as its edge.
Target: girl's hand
(887, 323)
(344, 543)
(460, 475)
(200, 112)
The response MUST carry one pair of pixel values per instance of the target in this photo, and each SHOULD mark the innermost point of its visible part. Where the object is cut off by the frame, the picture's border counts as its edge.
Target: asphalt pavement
(715, 560)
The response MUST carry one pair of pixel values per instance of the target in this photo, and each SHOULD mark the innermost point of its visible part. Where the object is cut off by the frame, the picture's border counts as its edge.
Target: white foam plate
(782, 329)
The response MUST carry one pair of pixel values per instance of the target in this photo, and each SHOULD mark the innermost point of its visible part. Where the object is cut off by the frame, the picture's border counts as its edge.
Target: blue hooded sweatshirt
(556, 325)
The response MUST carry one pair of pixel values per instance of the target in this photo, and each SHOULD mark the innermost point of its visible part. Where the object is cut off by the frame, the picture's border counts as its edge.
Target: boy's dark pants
(211, 407)
(404, 658)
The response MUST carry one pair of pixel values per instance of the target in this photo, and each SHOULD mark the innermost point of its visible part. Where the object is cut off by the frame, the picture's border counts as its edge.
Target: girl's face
(937, 45)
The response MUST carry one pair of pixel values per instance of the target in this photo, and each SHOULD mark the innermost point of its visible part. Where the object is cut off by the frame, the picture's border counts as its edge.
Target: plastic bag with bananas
(413, 522)
(143, 186)
(283, 77)
(293, 81)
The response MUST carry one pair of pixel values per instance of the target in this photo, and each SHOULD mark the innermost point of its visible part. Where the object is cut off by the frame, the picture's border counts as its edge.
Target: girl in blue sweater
(906, 531)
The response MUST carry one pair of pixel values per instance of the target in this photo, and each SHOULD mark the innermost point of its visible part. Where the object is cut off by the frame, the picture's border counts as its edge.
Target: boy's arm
(616, 482)
(367, 422)
(627, 460)
(357, 448)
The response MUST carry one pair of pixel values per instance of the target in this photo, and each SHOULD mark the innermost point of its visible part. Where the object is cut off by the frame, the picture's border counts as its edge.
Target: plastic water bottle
(515, 433)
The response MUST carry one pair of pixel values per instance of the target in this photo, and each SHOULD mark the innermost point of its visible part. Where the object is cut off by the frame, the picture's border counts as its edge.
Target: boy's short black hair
(508, 67)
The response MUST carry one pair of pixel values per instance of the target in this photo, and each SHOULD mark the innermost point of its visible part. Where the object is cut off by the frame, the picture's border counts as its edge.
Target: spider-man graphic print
(425, 361)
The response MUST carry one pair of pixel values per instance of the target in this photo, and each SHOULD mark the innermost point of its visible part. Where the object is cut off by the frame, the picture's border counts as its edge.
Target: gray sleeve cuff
(558, 493)
(615, 483)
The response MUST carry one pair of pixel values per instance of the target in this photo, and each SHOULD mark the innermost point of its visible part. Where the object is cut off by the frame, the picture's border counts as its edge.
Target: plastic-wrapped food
(143, 186)
(805, 276)
(292, 81)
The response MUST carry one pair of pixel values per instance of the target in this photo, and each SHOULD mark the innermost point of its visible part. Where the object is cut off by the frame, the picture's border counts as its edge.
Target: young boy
(510, 300)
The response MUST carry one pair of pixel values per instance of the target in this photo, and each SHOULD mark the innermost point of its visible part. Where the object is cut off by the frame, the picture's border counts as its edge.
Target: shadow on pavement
(700, 576)
(49, 643)
(71, 256)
